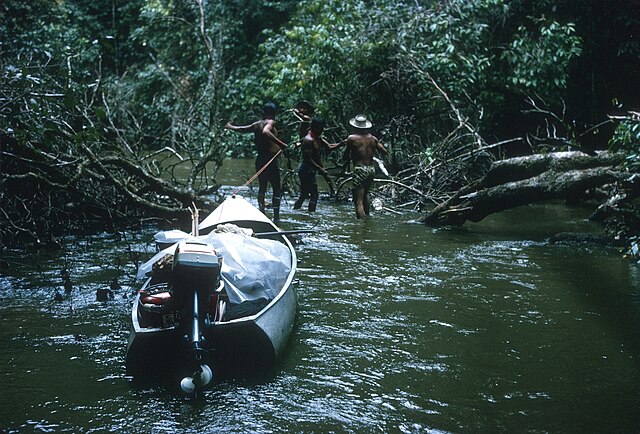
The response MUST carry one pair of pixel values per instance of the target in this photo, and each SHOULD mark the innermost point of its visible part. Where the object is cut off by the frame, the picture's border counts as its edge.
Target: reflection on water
(400, 328)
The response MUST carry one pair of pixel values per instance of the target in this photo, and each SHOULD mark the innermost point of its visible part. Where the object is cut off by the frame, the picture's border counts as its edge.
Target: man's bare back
(362, 148)
(265, 133)
(265, 136)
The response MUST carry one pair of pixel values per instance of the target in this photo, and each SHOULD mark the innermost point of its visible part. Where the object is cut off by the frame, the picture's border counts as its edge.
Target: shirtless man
(311, 164)
(304, 112)
(268, 145)
(361, 148)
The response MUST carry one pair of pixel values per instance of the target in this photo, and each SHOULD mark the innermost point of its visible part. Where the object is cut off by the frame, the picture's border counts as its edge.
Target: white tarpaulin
(252, 268)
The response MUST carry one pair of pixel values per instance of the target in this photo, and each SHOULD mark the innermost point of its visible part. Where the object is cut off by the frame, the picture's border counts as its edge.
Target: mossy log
(524, 180)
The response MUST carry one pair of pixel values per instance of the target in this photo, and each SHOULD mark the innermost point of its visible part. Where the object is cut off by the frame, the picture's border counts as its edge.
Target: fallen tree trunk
(520, 168)
(43, 193)
(523, 180)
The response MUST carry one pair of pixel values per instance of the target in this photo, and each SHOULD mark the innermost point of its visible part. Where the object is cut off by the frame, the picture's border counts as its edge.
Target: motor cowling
(195, 277)
(196, 267)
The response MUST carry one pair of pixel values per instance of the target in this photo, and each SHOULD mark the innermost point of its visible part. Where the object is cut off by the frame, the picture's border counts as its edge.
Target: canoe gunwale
(281, 293)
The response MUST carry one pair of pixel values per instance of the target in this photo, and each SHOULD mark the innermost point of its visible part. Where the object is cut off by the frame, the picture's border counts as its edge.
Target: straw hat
(361, 122)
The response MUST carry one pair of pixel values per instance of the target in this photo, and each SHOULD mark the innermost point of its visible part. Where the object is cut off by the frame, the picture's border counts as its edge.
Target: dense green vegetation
(85, 84)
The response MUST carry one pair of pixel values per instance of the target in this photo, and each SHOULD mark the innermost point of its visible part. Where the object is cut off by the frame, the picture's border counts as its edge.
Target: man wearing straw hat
(361, 148)
(269, 146)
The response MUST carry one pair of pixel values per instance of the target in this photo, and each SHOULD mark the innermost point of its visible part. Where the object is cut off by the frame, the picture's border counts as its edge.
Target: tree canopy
(102, 101)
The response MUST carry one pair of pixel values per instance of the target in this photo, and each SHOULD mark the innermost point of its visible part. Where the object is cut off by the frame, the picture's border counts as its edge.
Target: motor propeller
(199, 379)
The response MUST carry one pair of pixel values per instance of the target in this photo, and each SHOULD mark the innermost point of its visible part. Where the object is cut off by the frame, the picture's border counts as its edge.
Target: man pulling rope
(269, 146)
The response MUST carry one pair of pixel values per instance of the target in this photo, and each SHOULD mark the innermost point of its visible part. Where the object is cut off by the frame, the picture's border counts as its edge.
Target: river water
(400, 328)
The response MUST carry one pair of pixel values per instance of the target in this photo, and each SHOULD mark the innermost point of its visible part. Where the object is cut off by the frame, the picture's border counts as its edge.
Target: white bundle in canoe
(252, 268)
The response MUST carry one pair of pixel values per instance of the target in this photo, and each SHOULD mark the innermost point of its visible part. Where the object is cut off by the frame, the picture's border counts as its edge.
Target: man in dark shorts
(268, 145)
(304, 112)
(311, 164)
(361, 148)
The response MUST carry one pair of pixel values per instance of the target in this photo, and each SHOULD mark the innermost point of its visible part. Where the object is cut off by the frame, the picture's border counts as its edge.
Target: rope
(257, 173)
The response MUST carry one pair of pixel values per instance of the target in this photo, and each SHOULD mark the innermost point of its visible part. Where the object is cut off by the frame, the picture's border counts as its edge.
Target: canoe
(196, 315)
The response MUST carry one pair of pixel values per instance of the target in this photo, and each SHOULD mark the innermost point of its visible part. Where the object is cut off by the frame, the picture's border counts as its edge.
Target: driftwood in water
(523, 180)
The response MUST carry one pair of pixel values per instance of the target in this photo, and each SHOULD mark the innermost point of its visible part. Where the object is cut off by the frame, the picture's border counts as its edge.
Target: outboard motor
(195, 278)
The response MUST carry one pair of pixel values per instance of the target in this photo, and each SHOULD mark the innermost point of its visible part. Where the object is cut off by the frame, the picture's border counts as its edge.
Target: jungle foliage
(101, 100)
